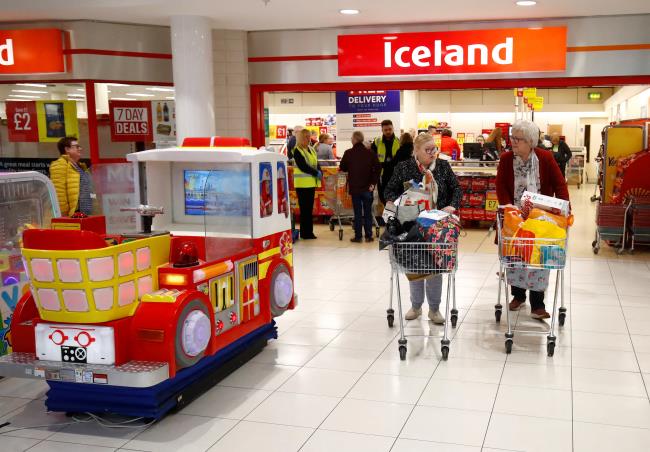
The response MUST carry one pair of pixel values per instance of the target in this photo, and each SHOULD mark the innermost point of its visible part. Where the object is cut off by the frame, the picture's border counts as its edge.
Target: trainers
(540, 314)
(515, 304)
(436, 317)
(370, 239)
(356, 240)
(413, 314)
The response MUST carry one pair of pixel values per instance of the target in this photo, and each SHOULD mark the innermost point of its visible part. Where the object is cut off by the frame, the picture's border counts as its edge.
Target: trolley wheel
(578, 186)
(445, 352)
(331, 226)
(402, 352)
(341, 234)
(508, 346)
(561, 318)
(497, 315)
(377, 231)
(391, 320)
(593, 198)
(550, 348)
(620, 251)
(454, 321)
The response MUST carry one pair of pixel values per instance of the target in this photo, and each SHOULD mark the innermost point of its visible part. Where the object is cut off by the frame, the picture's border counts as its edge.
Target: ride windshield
(224, 199)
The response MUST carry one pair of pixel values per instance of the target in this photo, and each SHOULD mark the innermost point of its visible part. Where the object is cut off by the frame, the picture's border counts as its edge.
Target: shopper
(314, 138)
(306, 178)
(405, 150)
(480, 139)
(561, 152)
(292, 141)
(449, 145)
(324, 149)
(431, 130)
(495, 141)
(527, 168)
(385, 147)
(362, 166)
(71, 179)
(446, 195)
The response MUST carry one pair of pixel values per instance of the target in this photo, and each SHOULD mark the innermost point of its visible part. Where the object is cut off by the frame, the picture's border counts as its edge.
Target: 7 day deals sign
(364, 111)
(130, 120)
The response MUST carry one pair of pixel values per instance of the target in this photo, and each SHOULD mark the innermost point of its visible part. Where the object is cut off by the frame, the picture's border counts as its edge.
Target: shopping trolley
(423, 259)
(338, 196)
(516, 253)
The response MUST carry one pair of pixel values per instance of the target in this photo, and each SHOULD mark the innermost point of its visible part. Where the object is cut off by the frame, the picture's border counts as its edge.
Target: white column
(193, 76)
(410, 110)
(101, 98)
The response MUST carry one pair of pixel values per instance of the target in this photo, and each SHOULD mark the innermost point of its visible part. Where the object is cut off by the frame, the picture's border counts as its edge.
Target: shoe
(308, 237)
(413, 314)
(540, 314)
(436, 317)
(370, 239)
(356, 240)
(515, 304)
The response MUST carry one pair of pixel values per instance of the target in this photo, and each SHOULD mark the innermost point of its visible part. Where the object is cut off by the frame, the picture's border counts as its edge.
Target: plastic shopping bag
(552, 234)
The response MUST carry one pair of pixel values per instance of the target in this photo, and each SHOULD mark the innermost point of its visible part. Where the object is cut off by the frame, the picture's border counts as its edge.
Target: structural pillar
(410, 110)
(193, 76)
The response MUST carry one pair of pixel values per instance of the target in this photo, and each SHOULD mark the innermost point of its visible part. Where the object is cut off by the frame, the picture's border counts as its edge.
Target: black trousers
(362, 205)
(306, 206)
(536, 298)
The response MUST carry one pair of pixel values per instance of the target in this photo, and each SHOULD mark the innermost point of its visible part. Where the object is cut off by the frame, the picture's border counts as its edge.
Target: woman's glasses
(431, 150)
(515, 139)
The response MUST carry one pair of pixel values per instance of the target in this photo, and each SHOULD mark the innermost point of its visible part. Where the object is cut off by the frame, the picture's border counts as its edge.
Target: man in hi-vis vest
(306, 178)
(385, 147)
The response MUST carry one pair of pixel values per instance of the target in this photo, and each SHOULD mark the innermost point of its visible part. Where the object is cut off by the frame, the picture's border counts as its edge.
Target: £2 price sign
(130, 121)
(22, 122)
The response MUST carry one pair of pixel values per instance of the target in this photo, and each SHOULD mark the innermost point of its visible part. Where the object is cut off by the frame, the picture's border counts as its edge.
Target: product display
(479, 202)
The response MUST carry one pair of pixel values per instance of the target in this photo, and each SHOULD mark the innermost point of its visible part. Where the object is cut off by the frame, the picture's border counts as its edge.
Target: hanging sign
(453, 52)
(130, 120)
(56, 119)
(281, 132)
(364, 111)
(530, 93)
(22, 123)
(537, 102)
(163, 121)
(37, 51)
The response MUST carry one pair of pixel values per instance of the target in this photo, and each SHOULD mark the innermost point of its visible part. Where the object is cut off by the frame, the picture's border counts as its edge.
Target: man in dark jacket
(561, 152)
(362, 166)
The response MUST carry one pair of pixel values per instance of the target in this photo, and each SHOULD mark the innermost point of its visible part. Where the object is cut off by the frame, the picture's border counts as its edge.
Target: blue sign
(367, 101)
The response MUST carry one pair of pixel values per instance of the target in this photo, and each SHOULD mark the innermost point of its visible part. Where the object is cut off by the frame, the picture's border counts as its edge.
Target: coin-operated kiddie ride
(138, 324)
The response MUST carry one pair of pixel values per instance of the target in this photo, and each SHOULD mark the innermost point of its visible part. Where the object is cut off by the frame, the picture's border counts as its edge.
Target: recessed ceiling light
(349, 12)
(76, 95)
(31, 91)
(166, 90)
(24, 96)
(81, 89)
(526, 3)
(170, 97)
(36, 85)
(139, 95)
(116, 84)
(120, 98)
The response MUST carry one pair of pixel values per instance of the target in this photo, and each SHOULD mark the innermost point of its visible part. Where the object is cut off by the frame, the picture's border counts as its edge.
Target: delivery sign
(130, 120)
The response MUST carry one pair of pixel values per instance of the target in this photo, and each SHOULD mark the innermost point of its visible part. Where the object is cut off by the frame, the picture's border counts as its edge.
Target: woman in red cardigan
(527, 168)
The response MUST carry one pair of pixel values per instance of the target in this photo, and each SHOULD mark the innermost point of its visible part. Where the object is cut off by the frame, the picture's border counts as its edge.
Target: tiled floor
(333, 381)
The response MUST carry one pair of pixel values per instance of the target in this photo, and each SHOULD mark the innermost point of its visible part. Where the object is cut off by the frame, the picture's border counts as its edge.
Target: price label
(22, 122)
(491, 205)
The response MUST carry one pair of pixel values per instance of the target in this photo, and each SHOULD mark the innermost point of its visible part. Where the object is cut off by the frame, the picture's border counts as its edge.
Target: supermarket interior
(220, 222)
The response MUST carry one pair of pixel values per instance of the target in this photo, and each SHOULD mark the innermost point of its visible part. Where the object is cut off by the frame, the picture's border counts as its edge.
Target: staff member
(71, 179)
(449, 146)
(306, 178)
(385, 147)
(561, 152)
(527, 168)
(445, 194)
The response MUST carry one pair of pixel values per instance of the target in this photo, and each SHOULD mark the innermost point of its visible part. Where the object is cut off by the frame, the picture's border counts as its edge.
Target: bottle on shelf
(159, 113)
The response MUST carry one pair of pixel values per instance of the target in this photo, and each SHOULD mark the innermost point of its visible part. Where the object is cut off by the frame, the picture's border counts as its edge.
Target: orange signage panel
(38, 51)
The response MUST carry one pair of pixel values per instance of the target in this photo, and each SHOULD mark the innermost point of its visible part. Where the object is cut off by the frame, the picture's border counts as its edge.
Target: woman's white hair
(528, 129)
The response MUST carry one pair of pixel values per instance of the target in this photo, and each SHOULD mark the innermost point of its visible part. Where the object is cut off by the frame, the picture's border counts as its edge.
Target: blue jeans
(433, 288)
(362, 204)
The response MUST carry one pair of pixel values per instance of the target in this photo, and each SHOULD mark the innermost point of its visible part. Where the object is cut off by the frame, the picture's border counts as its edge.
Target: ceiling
(292, 14)
(77, 91)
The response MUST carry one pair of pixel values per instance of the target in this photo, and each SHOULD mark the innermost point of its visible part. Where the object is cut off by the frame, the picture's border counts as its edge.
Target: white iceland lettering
(7, 53)
(507, 48)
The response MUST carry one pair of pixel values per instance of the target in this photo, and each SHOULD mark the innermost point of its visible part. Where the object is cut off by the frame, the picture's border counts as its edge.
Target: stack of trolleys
(417, 258)
(555, 256)
(640, 223)
(337, 195)
(611, 225)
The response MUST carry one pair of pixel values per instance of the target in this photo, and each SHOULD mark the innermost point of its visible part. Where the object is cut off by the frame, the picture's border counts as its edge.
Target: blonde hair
(421, 140)
(323, 137)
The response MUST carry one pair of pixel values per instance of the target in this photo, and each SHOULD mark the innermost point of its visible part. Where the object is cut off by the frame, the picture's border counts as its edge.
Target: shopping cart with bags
(422, 260)
(527, 262)
(338, 196)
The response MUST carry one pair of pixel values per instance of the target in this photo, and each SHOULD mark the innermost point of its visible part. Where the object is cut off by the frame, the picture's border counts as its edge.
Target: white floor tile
(226, 402)
(181, 433)
(538, 402)
(465, 395)
(597, 437)
(462, 369)
(549, 376)
(388, 388)
(601, 341)
(373, 323)
(327, 441)
(9, 404)
(327, 321)
(23, 388)
(259, 376)
(94, 434)
(324, 382)
(52, 446)
(363, 340)
(605, 359)
(612, 410)
(368, 417)
(530, 434)
(475, 348)
(286, 354)
(608, 382)
(308, 336)
(644, 361)
(34, 414)
(415, 365)
(411, 445)
(255, 436)
(12, 444)
(447, 425)
(343, 359)
(298, 410)
(641, 343)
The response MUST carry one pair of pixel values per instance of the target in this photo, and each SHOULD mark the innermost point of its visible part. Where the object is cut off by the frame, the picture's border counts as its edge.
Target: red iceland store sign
(37, 51)
(453, 52)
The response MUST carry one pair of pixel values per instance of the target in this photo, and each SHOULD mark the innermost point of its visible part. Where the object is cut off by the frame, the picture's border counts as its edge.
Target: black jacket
(449, 192)
(362, 166)
(404, 153)
(563, 154)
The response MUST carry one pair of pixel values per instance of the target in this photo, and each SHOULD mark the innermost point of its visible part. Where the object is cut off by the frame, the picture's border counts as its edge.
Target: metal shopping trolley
(527, 254)
(422, 259)
(338, 196)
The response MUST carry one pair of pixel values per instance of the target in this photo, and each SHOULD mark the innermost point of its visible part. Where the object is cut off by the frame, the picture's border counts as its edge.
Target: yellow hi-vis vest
(381, 148)
(301, 179)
